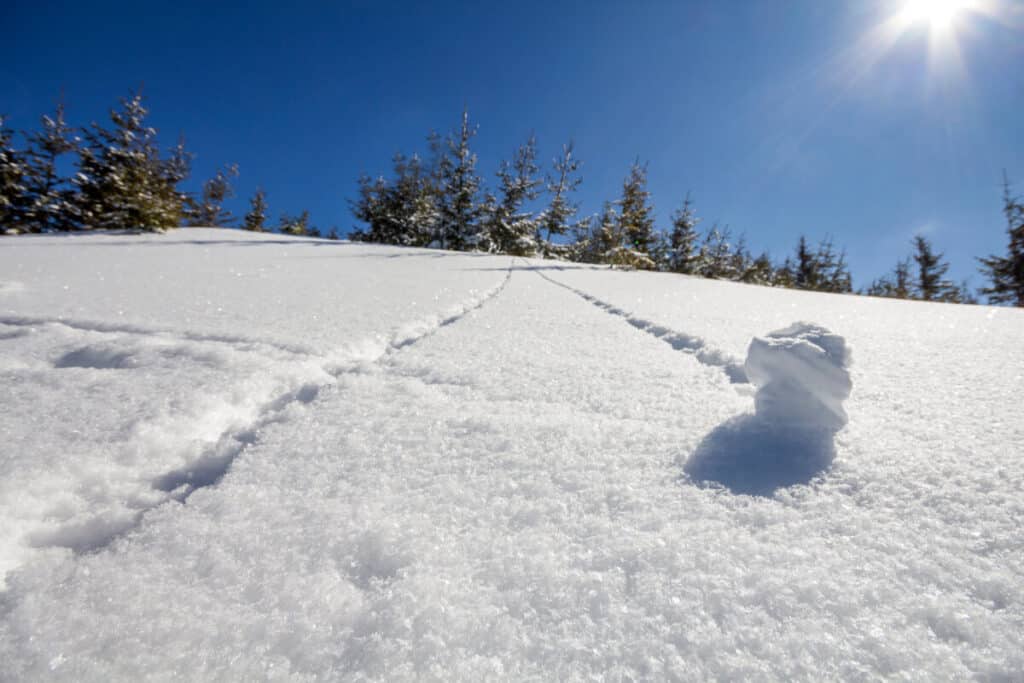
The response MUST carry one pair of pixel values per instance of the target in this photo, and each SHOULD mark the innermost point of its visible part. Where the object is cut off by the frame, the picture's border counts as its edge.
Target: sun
(938, 15)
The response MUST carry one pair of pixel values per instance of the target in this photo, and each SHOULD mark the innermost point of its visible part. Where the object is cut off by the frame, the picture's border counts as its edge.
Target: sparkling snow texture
(230, 457)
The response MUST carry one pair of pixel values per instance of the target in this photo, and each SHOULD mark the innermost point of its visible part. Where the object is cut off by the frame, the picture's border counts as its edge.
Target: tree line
(124, 180)
(441, 201)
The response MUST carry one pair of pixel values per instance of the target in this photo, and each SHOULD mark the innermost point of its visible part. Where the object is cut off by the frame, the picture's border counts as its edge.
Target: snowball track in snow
(491, 483)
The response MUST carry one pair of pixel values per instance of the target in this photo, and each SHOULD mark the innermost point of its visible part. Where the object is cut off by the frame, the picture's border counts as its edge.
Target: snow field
(505, 494)
(104, 421)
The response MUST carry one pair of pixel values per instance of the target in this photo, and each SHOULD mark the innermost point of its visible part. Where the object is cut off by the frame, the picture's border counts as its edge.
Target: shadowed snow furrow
(124, 328)
(210, 467)
(679, 341)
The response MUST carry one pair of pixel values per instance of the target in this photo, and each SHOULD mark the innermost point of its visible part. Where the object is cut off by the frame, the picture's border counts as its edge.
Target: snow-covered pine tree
(368, 207)
(458, 207)
(295, 225)
(509, 229)
(122, 183)
(636, 216)
(606, 242)
(931, 283)
(256, 218)
(740, 260)
(785, 274)
(582, 247)
(681, 256)
(557, 218)
(13, 195)
(715, 259)
(48, 194)
(413, 202)
(760, 271)
(1006, 273)
(402, 210)
(833, 275)
(209, 210)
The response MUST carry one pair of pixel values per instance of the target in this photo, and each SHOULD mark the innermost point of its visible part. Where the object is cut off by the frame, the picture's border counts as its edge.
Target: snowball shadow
(802, 378)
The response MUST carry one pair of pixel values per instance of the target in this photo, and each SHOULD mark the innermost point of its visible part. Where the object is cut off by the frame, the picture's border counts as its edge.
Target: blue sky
(779, 117)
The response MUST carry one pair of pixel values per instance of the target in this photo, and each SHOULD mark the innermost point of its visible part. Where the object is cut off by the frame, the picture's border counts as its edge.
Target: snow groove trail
(231, 430)
(243, 343)
(680, 341)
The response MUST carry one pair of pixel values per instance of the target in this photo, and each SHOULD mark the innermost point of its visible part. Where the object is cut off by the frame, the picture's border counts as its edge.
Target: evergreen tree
(832, 273)
(740, 261)
(760, 271)
(1006, 273)
(606, 242)
(897, 285)
(256, 219)
(122, 182)
(931, 285)
(295, 225)
(715, 259)
(13, 195)
(400, 211)
(48, 198)
(681, 256)
(806, 274)
(209, 211)
(785, 274)
(510, 230)
(557, 218)
(459, 211)
(636, 216)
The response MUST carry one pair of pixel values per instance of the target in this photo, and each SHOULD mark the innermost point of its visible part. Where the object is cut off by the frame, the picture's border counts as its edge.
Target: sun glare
(939, 15)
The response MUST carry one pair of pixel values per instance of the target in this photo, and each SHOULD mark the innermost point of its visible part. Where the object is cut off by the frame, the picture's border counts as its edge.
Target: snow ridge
(680, 341)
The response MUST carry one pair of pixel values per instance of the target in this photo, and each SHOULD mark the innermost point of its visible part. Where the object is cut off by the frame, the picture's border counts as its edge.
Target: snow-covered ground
(232, 456)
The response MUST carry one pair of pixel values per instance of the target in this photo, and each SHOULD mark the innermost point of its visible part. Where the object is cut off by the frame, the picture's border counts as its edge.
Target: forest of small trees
(123, 180)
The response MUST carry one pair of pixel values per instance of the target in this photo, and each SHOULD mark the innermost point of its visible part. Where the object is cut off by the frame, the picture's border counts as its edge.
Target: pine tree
(122, 183)
(459, 211)
(894, 286)
(48, 199)
(636, 216)
(1006, 273)
(209, 210)
(832, 273)
(902, 287)
(256, 218)
(13, 195)
(785, 274)
(806, 275)
(295, 225)
(557, 218)
(607, 239)
(510, 230)
(681, 256)
(398, 211)
(931, 285)
(760, 271)
(715, 259)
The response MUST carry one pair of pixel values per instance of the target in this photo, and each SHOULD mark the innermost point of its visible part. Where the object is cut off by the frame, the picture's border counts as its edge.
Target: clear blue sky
(862, 119)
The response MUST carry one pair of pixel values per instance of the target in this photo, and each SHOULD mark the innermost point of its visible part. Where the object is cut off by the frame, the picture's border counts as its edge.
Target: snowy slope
(229, 456)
